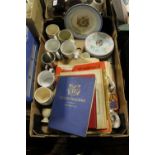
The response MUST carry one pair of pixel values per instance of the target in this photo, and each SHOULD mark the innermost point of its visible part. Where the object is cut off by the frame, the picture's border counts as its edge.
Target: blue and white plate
(83, 20)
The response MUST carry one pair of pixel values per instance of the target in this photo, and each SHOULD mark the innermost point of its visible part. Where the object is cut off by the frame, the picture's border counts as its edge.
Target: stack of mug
(61, 42)
(45, 93)
(60, 45)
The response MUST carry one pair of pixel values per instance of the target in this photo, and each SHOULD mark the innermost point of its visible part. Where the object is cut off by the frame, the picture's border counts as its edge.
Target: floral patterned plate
(83, 20)
(99, 44)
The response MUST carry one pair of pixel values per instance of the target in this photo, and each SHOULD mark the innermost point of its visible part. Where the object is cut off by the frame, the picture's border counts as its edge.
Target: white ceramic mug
(46, 78)
(53, 46)
(68, 49)
(43, 96)
(65, 34)
(52, 31)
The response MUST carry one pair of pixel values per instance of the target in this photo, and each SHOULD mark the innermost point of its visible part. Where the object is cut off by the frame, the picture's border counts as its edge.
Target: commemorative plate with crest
(83, 20)
(99, 44)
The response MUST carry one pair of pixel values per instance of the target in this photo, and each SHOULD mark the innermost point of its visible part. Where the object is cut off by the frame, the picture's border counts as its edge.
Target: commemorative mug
(65, 34)
(48, 60)
(46, 78)
(69, 50)
(53, 46)
(52, 31)
(43, 96)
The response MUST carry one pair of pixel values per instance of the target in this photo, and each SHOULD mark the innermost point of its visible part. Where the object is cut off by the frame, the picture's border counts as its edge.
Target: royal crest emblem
(74, 90)
(83, 21)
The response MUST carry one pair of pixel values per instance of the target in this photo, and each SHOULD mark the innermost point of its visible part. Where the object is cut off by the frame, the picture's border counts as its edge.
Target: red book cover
(93, 116)
(82, 67)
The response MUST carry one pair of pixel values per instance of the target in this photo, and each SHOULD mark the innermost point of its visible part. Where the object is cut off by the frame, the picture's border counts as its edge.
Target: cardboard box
(35, 110)
(110, 28)
(49, 10)
(35, 20)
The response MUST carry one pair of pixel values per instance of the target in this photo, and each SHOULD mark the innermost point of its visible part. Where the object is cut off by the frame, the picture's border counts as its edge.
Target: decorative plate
(83, 20)
(99, 44)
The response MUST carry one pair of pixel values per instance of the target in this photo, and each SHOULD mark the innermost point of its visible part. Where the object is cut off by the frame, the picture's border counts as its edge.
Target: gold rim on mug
(65, 34)
(43, 96)
(68, 48)
(52, 45)
(52, 30)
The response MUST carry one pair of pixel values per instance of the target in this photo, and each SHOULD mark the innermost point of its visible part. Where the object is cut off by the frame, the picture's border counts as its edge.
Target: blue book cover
(31, 56)
(72, 105)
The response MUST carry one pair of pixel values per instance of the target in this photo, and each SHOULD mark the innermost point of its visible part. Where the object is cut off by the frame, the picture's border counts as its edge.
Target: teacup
(52, 31)
(43, 96)
(68, 49)
(53, 46)
(65, 34)
(46, 78)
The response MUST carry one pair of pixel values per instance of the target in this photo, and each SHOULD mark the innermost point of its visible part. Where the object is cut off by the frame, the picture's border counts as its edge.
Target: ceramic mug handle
(51, 70)
(53, 74)
(46, 67)
(58, 56)
(77, 53)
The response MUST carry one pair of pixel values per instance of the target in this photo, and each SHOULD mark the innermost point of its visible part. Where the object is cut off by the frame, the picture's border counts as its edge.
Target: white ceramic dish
(83, 20)
(99, 44)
